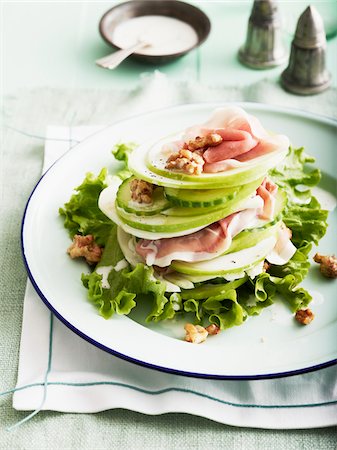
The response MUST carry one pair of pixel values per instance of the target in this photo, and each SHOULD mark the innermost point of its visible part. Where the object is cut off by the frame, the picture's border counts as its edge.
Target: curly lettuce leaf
(282, 280)
(215, 303)
(81, 213)
(122, 152)
(308, 222)
(303, 214)
(293, 172)
(125, 286)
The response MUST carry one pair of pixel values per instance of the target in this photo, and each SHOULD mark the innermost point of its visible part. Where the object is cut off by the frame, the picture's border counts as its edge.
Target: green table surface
(54, 44)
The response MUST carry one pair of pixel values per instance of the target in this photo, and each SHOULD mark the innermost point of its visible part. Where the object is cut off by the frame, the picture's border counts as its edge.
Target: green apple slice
(148, 163)
(107, 204)
(161, 222)
(236, 262)
(186, 281)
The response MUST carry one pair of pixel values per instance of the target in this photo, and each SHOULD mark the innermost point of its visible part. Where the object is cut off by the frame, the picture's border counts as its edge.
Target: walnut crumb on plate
(196, 334)
(86, 247)
(328, 265)
(304, 316)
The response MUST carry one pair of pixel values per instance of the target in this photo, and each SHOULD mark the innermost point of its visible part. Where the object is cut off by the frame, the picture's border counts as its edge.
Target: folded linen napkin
(60, 371)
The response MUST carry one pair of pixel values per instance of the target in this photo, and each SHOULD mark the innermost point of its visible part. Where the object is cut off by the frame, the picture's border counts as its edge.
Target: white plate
(269, 345)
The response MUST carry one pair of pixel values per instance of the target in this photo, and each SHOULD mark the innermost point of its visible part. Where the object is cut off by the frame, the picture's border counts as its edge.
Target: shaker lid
(310, 29)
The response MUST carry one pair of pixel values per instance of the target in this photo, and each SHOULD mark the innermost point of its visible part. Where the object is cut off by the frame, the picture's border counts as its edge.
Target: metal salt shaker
(306, 72)
(264, 47)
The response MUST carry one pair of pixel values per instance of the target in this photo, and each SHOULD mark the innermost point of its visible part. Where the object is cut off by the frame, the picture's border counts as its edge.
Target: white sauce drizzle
(104, 271)
(122, 264)
(166, 35)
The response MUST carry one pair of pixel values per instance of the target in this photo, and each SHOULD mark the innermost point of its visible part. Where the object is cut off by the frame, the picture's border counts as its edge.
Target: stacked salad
(210, 224)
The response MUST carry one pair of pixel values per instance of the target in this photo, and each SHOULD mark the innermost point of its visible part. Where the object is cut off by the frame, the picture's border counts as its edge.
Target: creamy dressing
(122, 264)
(165, 35)
(104, 271)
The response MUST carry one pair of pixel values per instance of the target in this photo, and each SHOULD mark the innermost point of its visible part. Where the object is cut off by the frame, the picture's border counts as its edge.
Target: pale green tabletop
(56, 44)
(53, 45)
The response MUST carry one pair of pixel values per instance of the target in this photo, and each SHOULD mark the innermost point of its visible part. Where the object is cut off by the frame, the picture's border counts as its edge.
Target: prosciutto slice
(235, 142)
(267, 191)
(202, 245)
(244, 139)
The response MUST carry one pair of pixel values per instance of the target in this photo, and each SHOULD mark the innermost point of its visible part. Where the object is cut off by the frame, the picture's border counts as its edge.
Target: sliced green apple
(239, 261)
(161, 222)
(107, 204)
(148, 163)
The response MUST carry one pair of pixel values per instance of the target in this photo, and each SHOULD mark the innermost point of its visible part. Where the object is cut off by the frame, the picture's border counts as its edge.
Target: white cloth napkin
(60, 371)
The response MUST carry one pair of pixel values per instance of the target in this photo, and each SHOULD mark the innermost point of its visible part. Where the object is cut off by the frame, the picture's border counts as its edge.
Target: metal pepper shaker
(306, 73)
(264, 47)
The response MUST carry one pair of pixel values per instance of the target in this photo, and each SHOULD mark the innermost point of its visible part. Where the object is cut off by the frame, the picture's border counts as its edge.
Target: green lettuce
(283, 280)
(81, 213)
(218, 301)
(303, 214)
(124, 285)
(122, 152)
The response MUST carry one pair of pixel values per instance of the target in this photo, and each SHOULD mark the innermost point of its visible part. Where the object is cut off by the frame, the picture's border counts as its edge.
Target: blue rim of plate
(298, 112)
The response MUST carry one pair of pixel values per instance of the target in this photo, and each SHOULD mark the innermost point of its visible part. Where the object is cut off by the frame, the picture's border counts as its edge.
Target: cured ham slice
(235, 142)
(267, 191)
(202, 245)
(244, 139)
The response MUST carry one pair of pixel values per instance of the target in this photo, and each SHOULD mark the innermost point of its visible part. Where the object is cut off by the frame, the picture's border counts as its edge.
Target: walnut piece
(304, 316)
(141, 191)
(86, 247)
(213, 329)
(210, 140)
(186, 161)
(328, 265)
(195, 333)
(266, 266)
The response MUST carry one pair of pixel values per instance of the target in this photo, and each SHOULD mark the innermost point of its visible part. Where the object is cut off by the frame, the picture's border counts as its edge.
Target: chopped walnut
(210, 140)
(195, 333)
(328, 265)
(86, 247)
(186, 161)
(213, 329)
(266, 266)
(141, 191)
(304, 316)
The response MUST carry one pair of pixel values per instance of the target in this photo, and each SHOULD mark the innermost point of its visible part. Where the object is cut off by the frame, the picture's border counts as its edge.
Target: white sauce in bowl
(166, 35)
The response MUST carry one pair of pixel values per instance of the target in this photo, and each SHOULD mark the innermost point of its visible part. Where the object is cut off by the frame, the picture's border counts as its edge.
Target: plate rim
(260, 106)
